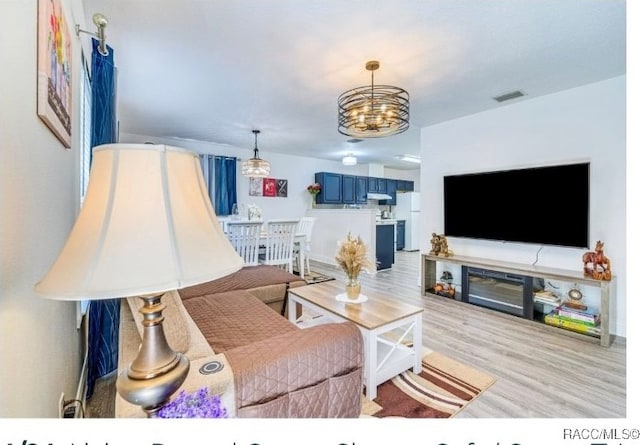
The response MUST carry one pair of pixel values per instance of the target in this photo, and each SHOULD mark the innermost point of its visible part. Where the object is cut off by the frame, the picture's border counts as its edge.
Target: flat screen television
(540, 205)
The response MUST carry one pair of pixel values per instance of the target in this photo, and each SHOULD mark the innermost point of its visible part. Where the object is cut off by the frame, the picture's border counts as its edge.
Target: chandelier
(373, 111)
(256, 167)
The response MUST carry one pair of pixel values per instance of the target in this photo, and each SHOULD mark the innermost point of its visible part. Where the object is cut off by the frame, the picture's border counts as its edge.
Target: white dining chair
(302, 243)
(245, 238)
(278, 243)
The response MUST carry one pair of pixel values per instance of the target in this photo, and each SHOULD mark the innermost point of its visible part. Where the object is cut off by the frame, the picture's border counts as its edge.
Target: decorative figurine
(444, 246)
(596, 264)
(439, 246)
(445, 288)
(435, 244)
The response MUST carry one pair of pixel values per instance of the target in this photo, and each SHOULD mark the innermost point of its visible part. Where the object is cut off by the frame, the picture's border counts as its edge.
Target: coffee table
(385, 356)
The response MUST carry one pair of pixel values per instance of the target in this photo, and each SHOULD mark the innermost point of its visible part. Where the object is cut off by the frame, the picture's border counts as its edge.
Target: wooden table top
(379, 310)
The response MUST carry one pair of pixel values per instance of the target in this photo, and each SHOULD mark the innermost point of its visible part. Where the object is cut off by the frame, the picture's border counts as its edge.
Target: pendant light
(256, 167)
(373, 111)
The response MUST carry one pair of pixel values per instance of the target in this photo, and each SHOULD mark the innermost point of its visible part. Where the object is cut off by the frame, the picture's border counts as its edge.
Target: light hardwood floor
(540, 371)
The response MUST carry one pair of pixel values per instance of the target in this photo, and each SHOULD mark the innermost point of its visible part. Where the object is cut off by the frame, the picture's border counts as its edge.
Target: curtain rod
(221, 156)
(101, 23)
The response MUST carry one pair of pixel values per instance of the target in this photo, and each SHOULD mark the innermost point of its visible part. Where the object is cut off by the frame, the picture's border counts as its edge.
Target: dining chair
(302, 243)
(278, 243)
(245, 238)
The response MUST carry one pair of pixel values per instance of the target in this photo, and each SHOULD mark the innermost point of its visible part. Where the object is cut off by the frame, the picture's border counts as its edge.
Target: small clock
(575, 294)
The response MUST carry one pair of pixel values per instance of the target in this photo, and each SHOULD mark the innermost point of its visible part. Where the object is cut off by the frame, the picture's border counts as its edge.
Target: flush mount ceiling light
(373, 111)
(408, 158)
(256, 167)
(349, 159)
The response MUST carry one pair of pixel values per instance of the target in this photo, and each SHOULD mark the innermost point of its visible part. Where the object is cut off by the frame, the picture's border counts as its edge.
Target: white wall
(580, 124)
(39, 342)
(298, 170)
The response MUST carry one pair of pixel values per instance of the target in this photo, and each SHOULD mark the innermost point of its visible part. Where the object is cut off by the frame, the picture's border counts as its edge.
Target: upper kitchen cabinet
(404, 186)
(361, 189)
(391, 187)
(331, 188)
(348, 189)
(376, 185)
(372, 184)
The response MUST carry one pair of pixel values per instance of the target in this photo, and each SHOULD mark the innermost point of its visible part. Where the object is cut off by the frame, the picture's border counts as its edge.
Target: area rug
(443, 389)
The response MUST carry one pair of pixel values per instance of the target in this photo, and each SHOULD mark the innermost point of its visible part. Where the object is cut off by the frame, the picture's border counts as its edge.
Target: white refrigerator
(408, 208)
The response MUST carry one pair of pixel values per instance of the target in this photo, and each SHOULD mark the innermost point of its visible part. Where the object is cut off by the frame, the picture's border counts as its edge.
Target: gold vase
(352, 288)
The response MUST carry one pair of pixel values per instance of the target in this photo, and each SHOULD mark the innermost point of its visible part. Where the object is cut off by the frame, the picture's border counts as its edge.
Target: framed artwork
(268, 187)
(281, 188)
(255, 186)
(54, 69)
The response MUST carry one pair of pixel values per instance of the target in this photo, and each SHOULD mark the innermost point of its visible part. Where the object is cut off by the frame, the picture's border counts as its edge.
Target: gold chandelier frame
(374, 110)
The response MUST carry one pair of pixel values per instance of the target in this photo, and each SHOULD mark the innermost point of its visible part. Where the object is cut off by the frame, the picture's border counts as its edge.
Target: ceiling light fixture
(408, 158)
(373, 111)
(256, 167)
(349, 159)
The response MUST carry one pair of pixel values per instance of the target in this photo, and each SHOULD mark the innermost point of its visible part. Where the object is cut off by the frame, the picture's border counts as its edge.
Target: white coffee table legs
(385, 358)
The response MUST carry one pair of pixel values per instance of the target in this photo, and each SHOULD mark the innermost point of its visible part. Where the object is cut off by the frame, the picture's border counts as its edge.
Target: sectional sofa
(265, 366)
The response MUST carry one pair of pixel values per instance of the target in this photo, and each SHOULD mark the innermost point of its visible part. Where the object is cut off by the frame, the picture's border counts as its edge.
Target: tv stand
(428, 281)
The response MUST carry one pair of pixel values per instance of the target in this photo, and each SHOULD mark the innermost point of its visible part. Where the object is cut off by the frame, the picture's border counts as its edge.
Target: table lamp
(146, 227)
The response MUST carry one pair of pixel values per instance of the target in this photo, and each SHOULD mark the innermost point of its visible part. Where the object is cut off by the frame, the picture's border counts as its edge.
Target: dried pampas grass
(352, 256)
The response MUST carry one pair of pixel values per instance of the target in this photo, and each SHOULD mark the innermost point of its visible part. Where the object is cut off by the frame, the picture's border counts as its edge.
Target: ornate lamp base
(157, 371)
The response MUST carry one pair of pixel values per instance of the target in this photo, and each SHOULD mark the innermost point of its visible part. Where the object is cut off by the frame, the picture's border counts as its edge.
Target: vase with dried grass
(353, 258)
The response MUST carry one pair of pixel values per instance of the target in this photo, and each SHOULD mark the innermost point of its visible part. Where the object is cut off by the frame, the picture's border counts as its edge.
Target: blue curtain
(104, 315)
(220, 178)
(208, 171)
(225, 188)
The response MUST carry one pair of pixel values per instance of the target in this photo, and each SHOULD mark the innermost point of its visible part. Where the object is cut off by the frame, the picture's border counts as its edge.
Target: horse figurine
(597, 264)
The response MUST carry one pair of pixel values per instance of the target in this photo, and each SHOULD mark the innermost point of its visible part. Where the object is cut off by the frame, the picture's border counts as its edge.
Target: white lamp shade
(146, 226)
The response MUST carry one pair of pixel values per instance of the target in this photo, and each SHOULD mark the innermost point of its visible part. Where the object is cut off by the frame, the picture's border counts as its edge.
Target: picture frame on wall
(281, 188)
(54, 85)
(268, 187)
(255, 186)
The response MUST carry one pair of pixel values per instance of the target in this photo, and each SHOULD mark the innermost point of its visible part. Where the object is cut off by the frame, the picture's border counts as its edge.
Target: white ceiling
(214, 70)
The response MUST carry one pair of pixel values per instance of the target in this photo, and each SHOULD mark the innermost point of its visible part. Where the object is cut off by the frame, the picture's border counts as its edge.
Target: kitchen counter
(332, 226)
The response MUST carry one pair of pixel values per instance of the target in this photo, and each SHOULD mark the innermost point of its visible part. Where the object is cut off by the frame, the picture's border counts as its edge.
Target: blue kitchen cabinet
(348, 189)
(400, 230)
(405, 186)
(391, 191)
(384, 246)
(372, 184)
(331, 188)
(361, 189)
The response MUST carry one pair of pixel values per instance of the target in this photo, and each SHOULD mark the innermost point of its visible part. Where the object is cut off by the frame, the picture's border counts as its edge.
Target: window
(85, 128)
(85, 156)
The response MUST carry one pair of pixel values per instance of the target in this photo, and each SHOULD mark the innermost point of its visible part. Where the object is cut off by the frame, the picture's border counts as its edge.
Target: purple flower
(199, 404)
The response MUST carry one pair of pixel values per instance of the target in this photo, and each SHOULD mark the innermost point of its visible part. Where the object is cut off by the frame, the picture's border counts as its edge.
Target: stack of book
(546, 297)
(585, 321)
